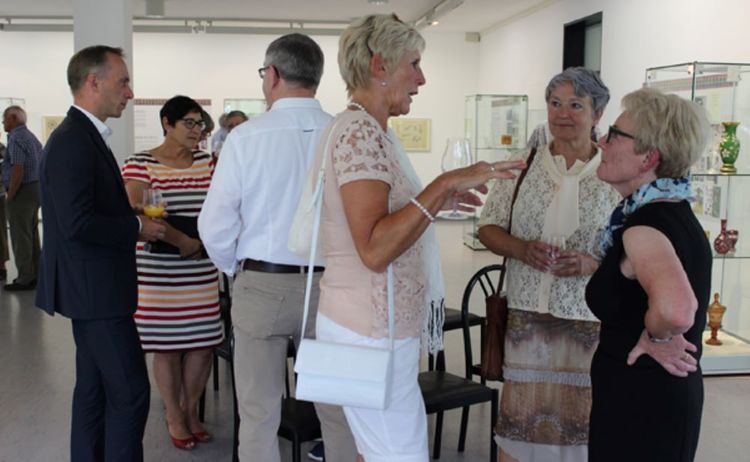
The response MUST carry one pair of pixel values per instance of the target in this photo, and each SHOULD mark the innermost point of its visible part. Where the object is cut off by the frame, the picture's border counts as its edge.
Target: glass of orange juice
(154, 204)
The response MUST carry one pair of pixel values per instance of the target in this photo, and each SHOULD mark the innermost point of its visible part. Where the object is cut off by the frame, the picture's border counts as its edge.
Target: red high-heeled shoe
(186, 443)
(203, 436)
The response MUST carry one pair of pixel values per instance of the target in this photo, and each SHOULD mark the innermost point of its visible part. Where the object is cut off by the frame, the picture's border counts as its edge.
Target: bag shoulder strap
(521, 176)
(314, 250)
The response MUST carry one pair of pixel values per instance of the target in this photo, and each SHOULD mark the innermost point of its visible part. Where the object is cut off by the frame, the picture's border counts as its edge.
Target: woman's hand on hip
(674, 356)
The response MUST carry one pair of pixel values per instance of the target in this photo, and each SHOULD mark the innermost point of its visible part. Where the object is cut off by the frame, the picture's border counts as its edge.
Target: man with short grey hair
(21, 183)
(244, 226)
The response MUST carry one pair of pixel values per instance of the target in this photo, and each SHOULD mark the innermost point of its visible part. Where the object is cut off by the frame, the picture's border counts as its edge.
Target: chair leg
(430, 362)
(236, 436)
(482, 380)
(462, 433)
(202, 406)
(296, 449)
(438, 435)
(216, 372)
(493, 424)
(440, 361)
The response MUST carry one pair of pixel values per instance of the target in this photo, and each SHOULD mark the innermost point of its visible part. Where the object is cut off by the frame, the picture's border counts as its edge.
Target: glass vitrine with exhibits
(721, 185)
(496, 126)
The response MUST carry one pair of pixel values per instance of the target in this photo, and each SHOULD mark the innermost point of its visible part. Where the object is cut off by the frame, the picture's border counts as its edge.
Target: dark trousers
(112, 392)
(23, 219)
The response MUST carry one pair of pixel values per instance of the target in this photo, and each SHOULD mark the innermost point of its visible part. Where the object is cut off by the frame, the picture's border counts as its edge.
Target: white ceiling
(471, 16)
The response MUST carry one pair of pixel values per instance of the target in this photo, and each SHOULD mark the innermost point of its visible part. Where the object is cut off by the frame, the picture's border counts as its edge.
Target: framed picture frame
(415, 134)
(49, 124)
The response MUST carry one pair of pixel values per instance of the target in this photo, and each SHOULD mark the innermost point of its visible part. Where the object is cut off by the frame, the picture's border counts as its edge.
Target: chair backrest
(486, 279)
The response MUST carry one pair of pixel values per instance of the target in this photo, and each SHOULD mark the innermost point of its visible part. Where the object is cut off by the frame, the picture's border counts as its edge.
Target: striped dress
(178, 300)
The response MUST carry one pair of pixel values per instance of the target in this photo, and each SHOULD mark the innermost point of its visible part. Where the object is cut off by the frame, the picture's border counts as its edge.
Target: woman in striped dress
(178, 300)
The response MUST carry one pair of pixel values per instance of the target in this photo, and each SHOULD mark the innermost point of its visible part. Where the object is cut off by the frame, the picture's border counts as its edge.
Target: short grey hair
(297, 58)
(379, 33)
(677, 128)
(585, 83)
(17, 112)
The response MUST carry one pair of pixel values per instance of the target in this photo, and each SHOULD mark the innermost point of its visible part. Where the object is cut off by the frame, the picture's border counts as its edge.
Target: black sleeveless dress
(641, 412)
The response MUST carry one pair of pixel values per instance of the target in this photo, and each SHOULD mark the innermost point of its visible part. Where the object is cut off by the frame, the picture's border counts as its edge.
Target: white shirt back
(257, 184)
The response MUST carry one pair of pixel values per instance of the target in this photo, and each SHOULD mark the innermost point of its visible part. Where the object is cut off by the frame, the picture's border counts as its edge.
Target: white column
(109, 22)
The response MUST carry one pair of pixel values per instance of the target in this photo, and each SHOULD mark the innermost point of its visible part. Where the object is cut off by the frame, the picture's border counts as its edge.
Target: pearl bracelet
(423, 209)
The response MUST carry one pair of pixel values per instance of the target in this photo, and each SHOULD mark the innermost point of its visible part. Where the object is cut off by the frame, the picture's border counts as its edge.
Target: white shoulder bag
(339, 373)
(300, 239)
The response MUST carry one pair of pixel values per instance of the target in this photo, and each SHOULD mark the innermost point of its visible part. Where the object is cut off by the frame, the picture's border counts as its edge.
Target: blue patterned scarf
(662, 188)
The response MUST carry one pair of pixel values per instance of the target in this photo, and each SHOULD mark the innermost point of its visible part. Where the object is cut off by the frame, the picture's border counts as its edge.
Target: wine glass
(154, 204)
(557, 245)
(457, 155)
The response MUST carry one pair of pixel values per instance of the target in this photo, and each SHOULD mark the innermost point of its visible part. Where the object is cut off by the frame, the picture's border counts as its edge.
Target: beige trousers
(266, 311)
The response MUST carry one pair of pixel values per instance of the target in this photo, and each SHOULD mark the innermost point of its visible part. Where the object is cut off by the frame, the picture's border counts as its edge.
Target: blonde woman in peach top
(375, 214)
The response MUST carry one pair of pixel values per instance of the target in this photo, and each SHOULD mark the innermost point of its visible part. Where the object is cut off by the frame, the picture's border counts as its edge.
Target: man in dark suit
(88, 270)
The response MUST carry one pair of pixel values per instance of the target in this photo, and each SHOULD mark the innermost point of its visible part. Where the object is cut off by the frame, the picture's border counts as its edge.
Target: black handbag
(186, 225)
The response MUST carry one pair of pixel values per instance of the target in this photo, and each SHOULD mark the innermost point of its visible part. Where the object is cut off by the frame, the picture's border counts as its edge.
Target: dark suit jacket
(88, 259)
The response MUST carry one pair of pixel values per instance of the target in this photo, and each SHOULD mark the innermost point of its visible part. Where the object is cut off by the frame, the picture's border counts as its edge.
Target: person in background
(87, 271)
(245, 224)
(375, 214)
(3, 226)
(220, 136)
(21, 181)
(652, 288)
(178, 287)
(235, 118)
(551, 335)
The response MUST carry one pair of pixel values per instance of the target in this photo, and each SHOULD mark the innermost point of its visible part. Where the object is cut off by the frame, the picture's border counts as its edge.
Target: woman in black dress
(651, 290)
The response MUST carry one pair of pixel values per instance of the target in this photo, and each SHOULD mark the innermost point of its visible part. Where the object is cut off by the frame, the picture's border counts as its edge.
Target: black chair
(444, 391)
(225, 351)
(299, 422)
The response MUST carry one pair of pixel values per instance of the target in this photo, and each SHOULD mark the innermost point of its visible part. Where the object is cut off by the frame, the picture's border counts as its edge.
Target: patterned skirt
(178, 303)
(546, 396)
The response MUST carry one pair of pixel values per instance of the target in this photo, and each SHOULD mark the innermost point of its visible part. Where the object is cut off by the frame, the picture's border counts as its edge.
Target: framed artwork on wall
(49, 124)
(415, 134)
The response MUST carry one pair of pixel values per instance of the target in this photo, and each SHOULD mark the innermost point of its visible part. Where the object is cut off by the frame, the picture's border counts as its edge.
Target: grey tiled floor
(37, 360)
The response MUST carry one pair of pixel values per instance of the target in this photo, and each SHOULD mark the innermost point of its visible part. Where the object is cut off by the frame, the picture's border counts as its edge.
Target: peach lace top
(352, 295)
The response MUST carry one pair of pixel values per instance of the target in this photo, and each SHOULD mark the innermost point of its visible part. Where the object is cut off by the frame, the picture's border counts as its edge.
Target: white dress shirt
(257, 184)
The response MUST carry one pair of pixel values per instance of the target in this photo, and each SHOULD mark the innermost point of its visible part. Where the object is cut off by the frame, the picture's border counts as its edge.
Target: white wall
(225, 66)
(522, 56)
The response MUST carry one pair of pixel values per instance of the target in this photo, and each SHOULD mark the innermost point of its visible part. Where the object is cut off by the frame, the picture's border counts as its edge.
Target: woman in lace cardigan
(551, 337)
(375, 214)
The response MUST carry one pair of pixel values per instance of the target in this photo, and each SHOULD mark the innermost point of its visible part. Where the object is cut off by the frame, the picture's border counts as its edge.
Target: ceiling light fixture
(432, 16)
(377, 2)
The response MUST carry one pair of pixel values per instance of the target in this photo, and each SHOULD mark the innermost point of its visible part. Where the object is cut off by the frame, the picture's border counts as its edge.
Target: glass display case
(496, 126)
(723, 89)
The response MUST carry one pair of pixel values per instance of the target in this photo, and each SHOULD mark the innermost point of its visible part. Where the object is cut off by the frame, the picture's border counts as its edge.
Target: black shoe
(15, 286)
(317, 452)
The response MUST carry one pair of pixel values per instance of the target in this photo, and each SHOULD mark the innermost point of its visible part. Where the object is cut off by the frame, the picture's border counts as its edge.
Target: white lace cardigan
(532, 290)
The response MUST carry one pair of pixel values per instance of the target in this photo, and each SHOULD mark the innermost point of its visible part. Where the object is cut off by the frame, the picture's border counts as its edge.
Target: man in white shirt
(244, 227)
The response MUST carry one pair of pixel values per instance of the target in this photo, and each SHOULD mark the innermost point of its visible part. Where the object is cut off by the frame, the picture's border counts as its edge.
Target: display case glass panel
(496, 126)
(723, 89)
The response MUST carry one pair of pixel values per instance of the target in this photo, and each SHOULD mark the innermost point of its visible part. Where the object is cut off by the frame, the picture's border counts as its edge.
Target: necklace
(357, 105)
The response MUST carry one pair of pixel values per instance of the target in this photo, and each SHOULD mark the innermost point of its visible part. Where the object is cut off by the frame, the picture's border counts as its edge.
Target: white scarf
(432, 329)
(563, 212)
